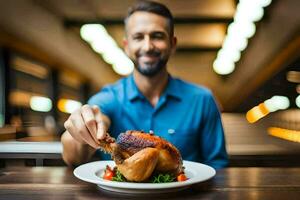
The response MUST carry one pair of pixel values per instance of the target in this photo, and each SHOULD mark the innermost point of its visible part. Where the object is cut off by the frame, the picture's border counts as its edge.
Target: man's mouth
(148, 58)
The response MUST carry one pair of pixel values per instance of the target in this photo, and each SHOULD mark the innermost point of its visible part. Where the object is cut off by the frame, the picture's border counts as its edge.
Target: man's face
(148, 42)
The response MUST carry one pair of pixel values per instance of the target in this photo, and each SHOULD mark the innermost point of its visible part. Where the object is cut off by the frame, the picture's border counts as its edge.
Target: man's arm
(84, 128)
(74, 152)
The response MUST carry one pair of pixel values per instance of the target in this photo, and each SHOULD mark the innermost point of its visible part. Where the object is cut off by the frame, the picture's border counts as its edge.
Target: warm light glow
(20, 98)
(41, 104)
(281, 102)
(242, 29)
(230, 54)
(270, 105)
(286, 134)
(293, 76)
(120, 66)
(248, 11)
(256, 3)
(98, 47)
(264, 3)
(239, 31)
(93, 32)
(298, 88)
(277, 103)
(298, 101)
(223, 67)
(68, 105)
(102, 43)
(235, 43)
(256, 113)
(29, 67)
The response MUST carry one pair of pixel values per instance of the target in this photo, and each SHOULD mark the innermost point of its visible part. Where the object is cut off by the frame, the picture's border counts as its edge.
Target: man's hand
(87, 125)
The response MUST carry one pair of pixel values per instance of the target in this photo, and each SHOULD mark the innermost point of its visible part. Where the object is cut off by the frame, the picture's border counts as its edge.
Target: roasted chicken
(138, 154)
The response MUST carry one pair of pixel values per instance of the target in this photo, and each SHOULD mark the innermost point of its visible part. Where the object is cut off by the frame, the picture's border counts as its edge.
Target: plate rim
(95, 166)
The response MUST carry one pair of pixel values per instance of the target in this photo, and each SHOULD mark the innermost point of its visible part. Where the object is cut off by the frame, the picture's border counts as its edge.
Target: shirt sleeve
(213, 150)
(105, 100)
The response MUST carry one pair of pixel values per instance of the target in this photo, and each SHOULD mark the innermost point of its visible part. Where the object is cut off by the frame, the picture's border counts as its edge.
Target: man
(149, 99)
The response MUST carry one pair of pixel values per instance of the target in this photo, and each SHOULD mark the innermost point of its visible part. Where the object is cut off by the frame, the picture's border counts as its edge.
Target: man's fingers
(90, 121)
(101, 132)
(82, 131)
(71, 129)
(101, 126)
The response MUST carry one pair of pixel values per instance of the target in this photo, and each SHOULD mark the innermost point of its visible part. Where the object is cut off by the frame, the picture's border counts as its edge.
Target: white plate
(92, 173)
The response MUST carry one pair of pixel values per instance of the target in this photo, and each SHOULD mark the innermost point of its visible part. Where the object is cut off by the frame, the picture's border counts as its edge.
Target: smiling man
(150, 99)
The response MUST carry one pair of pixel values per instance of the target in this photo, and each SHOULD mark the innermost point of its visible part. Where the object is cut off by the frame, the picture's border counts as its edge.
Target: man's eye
(138, 37)
(158, 36)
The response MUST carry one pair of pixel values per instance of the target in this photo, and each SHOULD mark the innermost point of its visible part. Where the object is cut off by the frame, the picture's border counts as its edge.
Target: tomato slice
(181, 177)
(108, 173)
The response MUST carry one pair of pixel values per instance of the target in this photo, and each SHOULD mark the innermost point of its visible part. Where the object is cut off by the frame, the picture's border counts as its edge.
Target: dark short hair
(152, 7)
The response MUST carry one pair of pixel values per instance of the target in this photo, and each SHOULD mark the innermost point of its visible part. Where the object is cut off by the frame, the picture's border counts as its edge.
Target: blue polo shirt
(186, 115)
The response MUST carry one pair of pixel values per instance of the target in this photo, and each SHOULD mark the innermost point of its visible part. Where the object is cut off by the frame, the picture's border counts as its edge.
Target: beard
(151, 69)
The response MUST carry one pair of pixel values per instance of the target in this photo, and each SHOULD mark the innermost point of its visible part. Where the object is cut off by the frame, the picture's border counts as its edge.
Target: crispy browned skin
(137, 154)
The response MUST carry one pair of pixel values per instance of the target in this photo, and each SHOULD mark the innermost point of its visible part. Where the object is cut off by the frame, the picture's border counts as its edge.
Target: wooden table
(231, 183)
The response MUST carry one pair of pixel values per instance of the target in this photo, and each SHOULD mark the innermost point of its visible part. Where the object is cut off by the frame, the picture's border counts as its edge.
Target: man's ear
(125, 45)
(174, 44)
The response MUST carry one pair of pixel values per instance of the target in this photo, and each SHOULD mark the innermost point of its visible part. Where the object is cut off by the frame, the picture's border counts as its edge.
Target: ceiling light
(277, 103)
(236, 43)
(248, 11)
(286, 134)
(298, 101)
(270, 105)
(102, 43)
(29, 67)
(242, 29)
(293, 76)
(298, 88)
(90, 32)
(233, 55)
(238, 33)
(41, 104)
(113, 55)
(123, 66)
(256, 113)
(264, 3)
(100, 47)
(222, 67)
(96, 33)
(281, 102)
(68, 105)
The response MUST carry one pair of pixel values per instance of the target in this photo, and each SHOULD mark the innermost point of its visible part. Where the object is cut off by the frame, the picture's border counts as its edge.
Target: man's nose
(148, 44)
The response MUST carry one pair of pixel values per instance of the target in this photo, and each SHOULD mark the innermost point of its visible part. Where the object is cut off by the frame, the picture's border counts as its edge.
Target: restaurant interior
(55, 54)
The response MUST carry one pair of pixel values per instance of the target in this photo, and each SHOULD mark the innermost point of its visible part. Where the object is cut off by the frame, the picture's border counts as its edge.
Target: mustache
(149, 53)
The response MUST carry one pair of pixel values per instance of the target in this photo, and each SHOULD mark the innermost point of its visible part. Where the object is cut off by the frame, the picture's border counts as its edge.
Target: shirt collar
(172, 89)
(133, 92)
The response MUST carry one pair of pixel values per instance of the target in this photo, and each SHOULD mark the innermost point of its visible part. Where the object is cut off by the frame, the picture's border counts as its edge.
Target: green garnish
(119, 177)
(162, 178)
(155, 178)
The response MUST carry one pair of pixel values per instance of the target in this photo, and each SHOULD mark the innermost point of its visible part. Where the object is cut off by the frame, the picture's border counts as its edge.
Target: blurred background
(54, 54)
